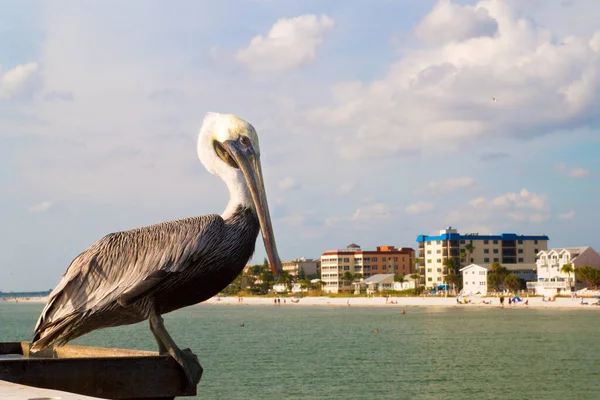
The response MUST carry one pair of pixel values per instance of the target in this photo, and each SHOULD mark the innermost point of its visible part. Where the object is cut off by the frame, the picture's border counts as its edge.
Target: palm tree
(399, 279)
(512, 282)
(470, 249)
(287, 279)
(496, 275)
(567, 269)
(590, 275)
(321, 284)
(463, 257)
(417, 262)
(348, 277)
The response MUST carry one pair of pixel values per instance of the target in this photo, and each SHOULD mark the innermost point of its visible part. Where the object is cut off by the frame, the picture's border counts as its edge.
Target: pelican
(141, 274)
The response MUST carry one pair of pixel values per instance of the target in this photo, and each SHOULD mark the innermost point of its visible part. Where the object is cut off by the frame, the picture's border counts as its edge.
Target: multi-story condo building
(301, 266)
(515, 252)
(551, 280)
(384, 260)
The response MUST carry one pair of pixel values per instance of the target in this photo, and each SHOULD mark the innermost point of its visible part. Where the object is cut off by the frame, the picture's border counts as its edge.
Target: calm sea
(296, 352)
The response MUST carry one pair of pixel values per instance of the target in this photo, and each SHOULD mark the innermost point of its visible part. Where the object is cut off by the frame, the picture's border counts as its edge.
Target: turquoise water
(302, 352)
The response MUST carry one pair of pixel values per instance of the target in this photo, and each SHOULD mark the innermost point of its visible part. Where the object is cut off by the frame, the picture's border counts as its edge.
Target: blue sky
(376, 120)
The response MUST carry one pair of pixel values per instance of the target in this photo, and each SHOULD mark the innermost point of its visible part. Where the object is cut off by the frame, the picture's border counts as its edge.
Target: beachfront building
(515, 252)
(375, 283)
(384, 260)
(474, 279)
(301, 267)
(550, 280)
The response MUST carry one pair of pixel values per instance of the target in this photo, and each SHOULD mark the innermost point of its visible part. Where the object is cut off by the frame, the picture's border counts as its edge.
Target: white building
(301, 267)
(474, 279)
(375, 283)
(515, 252)
(550, 279)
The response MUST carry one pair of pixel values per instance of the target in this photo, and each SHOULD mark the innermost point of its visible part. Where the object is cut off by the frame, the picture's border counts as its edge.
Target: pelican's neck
(239, 195)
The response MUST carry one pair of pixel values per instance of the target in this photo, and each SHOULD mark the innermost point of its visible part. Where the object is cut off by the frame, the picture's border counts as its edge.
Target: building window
(496, 260)
(487, 260)
(535, 242)
(520, 251)
(382, 258)
(429, 270)
(428, 251)
(486, 242)
(486, 251)
(462, 242)
(429, 279)
(429, 261)
(495, 251)
(384, 268)
(395, 258)
(439, 270)
(440, 242)
(520, 259)
(346, 260)
(374, 259)
(520, 242)
(536, 251)
(346, 268)
(438, 251)
(439, 279)
(439, 260)
(495, 242)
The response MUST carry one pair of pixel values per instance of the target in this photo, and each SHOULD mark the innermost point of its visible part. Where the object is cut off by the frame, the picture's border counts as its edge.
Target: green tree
(463, 257)
(450, 264)
(267, 277)
(496, 275)
(399, 279)
(568, 269)
(417, 262)
(287, 279)
(454, 281)
(512, 282)
(470, 248)
(590, 275)
(301, 274)
(347, 277)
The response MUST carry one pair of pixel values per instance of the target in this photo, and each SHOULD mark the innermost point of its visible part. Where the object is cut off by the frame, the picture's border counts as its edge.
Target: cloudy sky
(377, 120)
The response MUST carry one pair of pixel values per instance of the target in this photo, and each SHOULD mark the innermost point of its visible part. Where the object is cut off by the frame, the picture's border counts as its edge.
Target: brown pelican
(127, 277)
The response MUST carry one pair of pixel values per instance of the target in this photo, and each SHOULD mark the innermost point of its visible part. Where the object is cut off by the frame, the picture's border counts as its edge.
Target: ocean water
(304, 352)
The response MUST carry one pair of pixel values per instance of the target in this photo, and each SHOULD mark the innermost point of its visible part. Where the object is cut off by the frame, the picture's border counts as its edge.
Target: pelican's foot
(190, 365)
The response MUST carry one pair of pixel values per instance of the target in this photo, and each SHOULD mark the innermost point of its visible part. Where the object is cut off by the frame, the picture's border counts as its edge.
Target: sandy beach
(392, 301)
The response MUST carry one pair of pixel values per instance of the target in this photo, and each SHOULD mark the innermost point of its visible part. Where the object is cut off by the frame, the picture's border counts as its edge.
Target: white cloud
(450, 184)
(346, 188)
(16, 79)
(567, 215)
(524, 206)
(440, 97)
(448, 22)
(42, 207)
(419, 207)
(294, 220)
(575, 172)
(288, 183)
(290, 42)
(371, 212)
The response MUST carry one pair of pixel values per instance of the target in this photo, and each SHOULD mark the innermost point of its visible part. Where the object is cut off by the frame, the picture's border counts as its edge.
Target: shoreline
(392, 301)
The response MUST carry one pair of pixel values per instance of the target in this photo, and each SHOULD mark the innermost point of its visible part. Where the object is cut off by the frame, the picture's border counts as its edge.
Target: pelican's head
(228, 147)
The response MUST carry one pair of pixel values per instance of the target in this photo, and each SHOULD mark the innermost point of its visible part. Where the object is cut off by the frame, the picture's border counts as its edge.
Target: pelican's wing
(119, 262)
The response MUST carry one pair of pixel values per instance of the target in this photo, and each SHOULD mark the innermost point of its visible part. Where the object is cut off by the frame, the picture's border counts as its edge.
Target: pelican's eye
(224, 155)
(245, 140)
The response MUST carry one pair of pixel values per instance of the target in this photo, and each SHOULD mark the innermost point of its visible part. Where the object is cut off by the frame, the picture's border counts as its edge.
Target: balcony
(548, 285)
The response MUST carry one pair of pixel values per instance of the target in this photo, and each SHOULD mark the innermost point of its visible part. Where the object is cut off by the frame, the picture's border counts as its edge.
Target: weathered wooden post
(95, 371)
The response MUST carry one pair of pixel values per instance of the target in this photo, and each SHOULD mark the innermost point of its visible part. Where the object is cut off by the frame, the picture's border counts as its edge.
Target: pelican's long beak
(249, 164)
